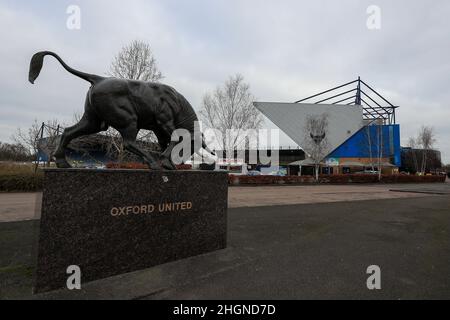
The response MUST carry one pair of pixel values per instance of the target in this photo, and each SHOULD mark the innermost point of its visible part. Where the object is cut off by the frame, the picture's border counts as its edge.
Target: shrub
(21, 183)
(138, 165)
(336, 179)
(19, 177)
(126, 165)
(266, 179)
(20, 180)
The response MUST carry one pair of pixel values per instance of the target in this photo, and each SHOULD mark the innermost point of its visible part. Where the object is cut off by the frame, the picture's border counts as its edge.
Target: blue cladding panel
(358, 145)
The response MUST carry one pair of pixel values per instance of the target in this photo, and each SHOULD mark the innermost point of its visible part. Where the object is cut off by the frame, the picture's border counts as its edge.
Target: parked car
(254, 173)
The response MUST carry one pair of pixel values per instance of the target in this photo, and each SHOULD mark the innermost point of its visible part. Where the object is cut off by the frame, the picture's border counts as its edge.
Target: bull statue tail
(38, 60)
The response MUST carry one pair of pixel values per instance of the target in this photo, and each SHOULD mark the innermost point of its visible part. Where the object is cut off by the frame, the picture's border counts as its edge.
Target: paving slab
(19, 206)
(26, 206)
(254, 196)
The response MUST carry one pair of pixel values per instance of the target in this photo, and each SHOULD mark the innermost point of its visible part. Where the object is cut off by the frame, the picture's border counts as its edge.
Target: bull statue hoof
(61, 163)
(167, 164)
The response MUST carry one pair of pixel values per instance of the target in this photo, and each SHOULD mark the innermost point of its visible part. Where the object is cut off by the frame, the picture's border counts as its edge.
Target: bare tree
(230, 111)
(29, 137)
(49, 138)
(380, 149)
(315, 141)
(14, 152)
(426, 139)
(39, 137)
(412, 143)
(367, 144)
(136, 62)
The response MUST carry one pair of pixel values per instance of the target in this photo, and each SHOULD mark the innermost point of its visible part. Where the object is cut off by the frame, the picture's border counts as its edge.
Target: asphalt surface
(307, 251)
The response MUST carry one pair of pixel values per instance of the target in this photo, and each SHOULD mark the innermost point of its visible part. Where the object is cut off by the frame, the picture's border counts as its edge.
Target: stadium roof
(357, 92)
(343, 120)
(348, 107)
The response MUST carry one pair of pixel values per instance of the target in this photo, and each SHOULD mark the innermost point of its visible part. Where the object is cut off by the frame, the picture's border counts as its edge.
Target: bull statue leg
(87, 125)
(171, 138)
(164, 143)
(194, 144)
(166, 127)
(129, 135)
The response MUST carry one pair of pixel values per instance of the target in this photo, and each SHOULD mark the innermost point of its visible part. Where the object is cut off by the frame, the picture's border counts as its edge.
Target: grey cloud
(286, 50)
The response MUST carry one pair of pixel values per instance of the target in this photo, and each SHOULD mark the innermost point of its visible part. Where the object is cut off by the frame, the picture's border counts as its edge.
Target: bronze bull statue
(128, 106)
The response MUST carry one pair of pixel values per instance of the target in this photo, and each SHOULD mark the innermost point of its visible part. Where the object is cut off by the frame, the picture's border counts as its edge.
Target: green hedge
(21, 182)
(333, 178)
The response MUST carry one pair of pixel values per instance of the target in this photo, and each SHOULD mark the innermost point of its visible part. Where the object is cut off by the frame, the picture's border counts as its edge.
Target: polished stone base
(109, 222)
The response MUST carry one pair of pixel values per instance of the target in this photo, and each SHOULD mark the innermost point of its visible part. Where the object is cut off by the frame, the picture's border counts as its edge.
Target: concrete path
(283, 195)
(26, 206)
(19, 206)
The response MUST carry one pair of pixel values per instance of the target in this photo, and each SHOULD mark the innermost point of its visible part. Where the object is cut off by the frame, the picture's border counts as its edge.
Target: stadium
(361, 136)
(361, 132)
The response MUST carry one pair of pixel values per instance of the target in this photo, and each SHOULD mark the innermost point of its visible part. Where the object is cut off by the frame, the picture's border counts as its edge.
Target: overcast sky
(286, 50)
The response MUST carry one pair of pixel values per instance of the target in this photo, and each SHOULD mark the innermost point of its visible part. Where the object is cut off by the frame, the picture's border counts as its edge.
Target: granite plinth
(109, 222)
